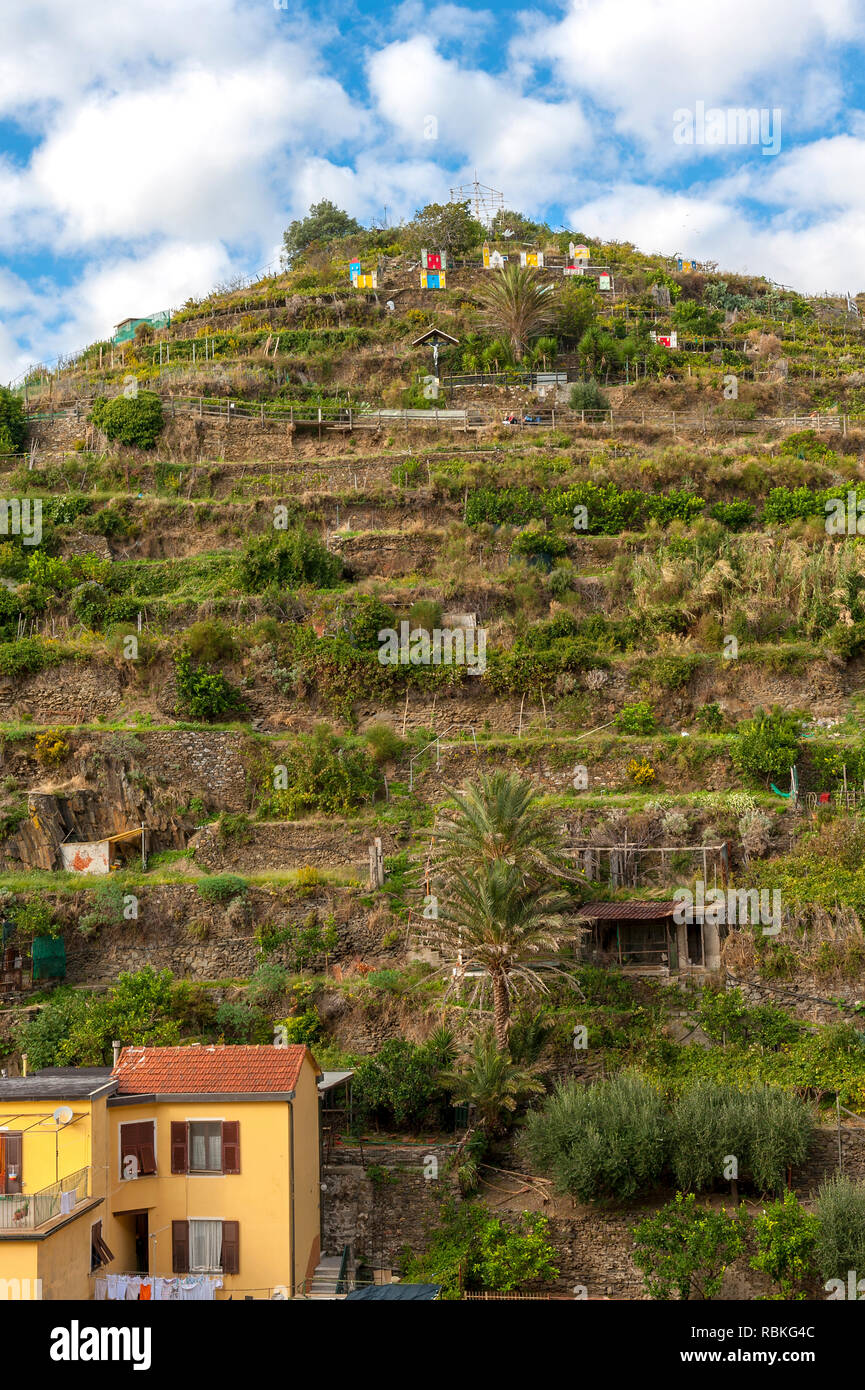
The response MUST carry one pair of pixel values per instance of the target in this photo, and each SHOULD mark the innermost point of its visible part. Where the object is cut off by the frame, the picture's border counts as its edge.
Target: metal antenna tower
(485, 201)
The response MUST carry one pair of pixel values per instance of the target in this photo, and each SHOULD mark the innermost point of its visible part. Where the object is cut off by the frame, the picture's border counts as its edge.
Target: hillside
(656, 624)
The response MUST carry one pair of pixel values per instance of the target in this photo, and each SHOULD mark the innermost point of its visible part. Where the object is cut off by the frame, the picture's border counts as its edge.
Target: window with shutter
(230, 1146)
(138, 1149)
(99, 1253)
(231, 1247)
(179, 1147)
(14, 1147)
(180, 1247)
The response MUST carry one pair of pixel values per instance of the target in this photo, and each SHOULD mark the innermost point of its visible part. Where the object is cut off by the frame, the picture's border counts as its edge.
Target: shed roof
(627, 911)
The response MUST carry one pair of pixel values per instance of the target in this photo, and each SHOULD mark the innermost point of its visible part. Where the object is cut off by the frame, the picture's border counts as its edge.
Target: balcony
(27, 1211)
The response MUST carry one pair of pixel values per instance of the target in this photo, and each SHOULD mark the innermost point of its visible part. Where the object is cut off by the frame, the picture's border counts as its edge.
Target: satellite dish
(62, 1115)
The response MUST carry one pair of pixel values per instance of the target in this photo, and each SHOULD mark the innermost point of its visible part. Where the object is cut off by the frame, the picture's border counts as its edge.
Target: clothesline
(132, 1288)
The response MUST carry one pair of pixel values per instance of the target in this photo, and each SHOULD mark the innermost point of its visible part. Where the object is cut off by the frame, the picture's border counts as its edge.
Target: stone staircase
(326, 1278)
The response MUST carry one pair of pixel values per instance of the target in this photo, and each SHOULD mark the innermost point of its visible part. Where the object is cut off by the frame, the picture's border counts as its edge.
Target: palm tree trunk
(501, 1010)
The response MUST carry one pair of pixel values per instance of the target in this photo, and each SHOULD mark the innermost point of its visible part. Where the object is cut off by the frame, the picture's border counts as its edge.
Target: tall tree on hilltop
(326, 222)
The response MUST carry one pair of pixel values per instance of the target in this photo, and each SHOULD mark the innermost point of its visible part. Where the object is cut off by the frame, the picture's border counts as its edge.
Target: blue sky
(148, 152)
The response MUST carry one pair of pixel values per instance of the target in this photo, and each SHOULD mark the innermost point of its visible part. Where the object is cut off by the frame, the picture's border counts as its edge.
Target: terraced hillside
(652, 608)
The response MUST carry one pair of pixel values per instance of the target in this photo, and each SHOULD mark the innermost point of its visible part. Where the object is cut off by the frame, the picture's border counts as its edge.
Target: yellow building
(203, 1162)
(53, 1136)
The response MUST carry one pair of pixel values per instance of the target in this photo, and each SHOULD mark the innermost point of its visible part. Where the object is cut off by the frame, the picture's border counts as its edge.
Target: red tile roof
(209, 1070)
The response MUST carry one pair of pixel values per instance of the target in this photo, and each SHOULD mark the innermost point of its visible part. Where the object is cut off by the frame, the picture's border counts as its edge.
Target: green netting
(49, 958)
(125, 331)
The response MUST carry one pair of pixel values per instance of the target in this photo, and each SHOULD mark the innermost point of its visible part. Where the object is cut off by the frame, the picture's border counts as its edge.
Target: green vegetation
(472, 1249)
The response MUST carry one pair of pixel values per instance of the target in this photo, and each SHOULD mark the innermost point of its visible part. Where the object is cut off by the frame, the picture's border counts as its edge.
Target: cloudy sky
(149, 151)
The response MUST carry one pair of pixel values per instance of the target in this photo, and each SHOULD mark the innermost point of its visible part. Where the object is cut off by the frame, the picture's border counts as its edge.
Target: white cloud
(642, 59)
(485, 120)
(46, 321)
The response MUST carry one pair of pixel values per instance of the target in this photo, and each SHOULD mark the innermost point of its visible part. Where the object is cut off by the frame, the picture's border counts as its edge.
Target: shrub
(587, 395)
(193, 1006)
(641, 772)
(13, 422)
(51, 748)
(605, 1140)
(425, 613)
(203, 694)
(135, 421)
(322, 774)
(786, 1238)
(210, 641)
(400, 1086)
(674, 672)
(734, 515)
(767, 745)
(300, 1028)
(221, 888)
(243, 1023)
(137, 1009)
(26, 656)
(636, 718)
(473, 1249)
(41, 1037)
(291, 558)
(367, 621)
(385, 743)
(685, 1249)
(765, 1129)
(234, 828)
(268, 985)
(840, 1208)
(35, 917)
(711, 717)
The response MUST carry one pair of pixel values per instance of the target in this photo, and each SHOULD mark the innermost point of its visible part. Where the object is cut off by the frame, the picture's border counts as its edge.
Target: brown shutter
(146, 1159)
(137, 1141)
(14, 1154)
(180, 1247)
(230, 1146)
(231, 1247)
(179, 1147)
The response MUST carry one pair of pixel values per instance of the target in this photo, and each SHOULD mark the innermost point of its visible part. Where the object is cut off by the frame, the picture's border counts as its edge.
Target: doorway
(142, 1253)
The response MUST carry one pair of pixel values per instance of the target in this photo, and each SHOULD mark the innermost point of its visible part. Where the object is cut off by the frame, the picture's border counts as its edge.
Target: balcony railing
(24, 1211)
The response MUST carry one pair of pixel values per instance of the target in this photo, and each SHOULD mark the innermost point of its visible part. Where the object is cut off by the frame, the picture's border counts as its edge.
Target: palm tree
(494, 917)
(515, 303)
(500, 818)
(492, 1082)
